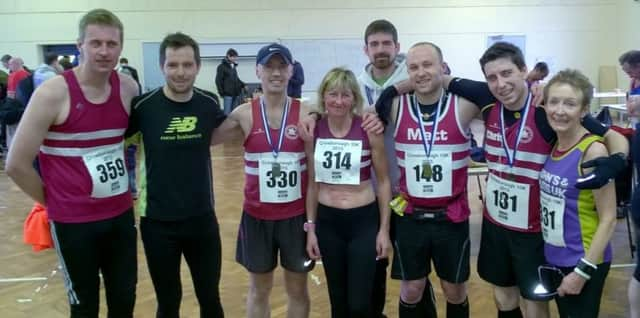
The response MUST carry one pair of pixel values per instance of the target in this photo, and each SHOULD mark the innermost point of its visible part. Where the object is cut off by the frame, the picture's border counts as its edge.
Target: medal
(426, 170)
(275, 148)
(511, 155)
(428, 144)
(275, 169)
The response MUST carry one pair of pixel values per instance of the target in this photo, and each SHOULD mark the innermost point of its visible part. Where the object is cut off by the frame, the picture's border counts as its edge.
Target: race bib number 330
(108, 171)
(279, 180)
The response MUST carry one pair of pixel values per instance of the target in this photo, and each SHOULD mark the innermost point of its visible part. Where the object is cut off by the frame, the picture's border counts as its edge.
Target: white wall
(582, 34)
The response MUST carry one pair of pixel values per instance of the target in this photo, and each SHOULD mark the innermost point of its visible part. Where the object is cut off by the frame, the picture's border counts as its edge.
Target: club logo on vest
(527, 135)
(257, 131)
(291, 132)
(413, 134)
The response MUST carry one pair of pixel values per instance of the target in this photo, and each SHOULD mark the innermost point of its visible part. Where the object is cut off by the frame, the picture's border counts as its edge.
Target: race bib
(428, 177)
(108, 171)
(552, 219)
(337, 161)
(508, 202)
(279, 179)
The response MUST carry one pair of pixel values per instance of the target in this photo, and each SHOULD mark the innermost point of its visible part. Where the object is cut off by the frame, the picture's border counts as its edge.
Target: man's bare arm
(44, 107)
(234, 121)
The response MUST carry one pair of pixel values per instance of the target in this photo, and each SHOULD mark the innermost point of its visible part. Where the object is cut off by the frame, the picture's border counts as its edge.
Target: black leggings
(87, 249)
(198, 238)
(587, 303)
(347, 241)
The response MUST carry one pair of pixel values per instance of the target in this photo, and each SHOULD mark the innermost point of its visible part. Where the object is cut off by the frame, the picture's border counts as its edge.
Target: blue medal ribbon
(274, 149)
(511, 155)
(428, 145)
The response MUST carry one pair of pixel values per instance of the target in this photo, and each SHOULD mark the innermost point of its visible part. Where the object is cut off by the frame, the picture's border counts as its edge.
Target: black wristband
(586, 267)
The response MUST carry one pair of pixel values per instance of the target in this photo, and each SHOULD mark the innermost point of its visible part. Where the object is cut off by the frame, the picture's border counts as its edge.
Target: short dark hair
(232, 52)
(542, 67)
(381, 26)
(500, 50)
(49, 58)
(435, 47)
(176, 41)
(124, 60)
(631, 57)
(6, 58)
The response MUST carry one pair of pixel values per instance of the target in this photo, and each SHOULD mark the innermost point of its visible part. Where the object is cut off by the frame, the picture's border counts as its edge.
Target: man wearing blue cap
(273, 217)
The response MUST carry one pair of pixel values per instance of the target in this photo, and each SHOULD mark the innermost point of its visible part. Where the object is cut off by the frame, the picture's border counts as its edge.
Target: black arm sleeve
(475, 91)
(594, 126)
(543, 126)
(134, 126)
(384, 102)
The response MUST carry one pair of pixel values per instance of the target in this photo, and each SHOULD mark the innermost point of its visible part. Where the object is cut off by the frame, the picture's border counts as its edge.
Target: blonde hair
(341, 78)
(102, 17)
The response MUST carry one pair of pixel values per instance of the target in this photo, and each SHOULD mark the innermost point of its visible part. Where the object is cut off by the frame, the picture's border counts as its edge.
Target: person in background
(47, 70)
(577, 225)
(538, 73)
(65, 62)
(294, 90)
(630, 63)
(125, 68)
(5, 61)
(227, 82)
(18, 73)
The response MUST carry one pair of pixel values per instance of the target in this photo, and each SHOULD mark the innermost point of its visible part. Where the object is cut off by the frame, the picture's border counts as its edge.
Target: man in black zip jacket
(227, 81)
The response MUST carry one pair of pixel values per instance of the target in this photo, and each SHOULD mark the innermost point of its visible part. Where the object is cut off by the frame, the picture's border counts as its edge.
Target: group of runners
(325, 182)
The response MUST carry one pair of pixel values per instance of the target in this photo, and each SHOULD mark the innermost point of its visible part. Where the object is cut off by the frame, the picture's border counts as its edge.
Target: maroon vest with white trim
(256, 148)
(82, 159)
(447, 186)
(515, 207)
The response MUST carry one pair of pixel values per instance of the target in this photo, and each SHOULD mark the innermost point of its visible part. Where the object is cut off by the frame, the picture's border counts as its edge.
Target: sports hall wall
(582, 34)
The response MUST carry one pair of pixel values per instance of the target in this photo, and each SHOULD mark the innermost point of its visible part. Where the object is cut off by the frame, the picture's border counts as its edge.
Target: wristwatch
(309, 226)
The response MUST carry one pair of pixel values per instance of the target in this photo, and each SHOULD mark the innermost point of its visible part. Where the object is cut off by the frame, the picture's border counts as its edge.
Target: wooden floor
(45, 297)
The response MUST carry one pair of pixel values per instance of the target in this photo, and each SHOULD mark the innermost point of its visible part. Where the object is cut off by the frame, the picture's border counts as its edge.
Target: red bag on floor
(36, 229)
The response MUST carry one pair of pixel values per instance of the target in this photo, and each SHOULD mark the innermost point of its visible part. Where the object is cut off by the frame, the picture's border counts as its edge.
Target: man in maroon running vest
(75, 123)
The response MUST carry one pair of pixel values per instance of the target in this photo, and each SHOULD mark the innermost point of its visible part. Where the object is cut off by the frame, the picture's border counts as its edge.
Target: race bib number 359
(108, 171)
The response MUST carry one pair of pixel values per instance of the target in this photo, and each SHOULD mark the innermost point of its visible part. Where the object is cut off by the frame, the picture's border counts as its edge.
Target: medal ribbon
(511, 155)
(369, 91)
(274, 149)
(428, 145)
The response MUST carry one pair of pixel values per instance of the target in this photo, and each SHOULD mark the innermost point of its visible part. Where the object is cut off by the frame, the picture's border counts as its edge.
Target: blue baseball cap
(272, 49)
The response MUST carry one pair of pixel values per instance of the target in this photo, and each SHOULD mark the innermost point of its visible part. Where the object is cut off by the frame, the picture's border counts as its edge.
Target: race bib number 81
(108, 171)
